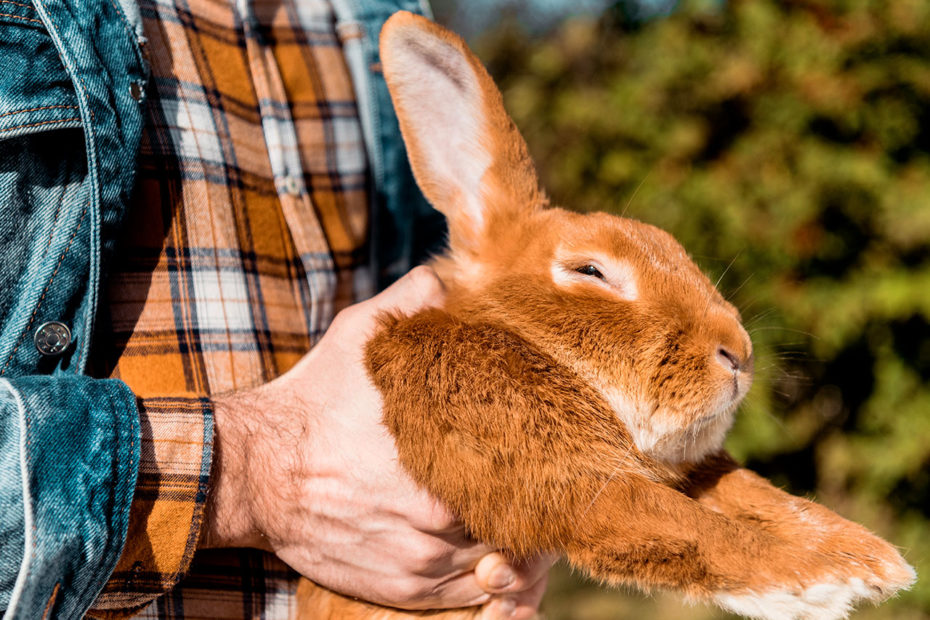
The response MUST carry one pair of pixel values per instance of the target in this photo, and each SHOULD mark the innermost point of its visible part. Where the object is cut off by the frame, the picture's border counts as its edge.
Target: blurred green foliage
(787, 145)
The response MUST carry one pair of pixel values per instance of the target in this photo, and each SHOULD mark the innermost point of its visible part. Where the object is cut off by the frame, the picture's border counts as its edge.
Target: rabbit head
(616, 300)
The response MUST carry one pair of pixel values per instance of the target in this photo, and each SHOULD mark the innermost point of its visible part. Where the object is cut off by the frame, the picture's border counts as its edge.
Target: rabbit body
(573, 394)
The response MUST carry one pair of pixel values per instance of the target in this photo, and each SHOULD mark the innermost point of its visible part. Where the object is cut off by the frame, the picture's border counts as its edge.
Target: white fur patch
(637, 420)
(822, 601)
(662, 436)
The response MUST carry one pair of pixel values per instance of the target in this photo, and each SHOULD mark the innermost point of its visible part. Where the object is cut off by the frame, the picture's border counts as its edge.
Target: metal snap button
(135, 91)
(52, 338)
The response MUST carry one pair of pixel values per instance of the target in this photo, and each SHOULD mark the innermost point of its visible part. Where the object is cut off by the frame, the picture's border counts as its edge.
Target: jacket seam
(51, 18)
(20, 4)
(51, 600)
(124, 483)
(28, 125)
(44, 292)
(133, 457)
(45, 107)
(25, 19)
(93, 172)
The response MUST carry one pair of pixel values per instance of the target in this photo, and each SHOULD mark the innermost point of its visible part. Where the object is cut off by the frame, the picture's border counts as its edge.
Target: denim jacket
(72, 91)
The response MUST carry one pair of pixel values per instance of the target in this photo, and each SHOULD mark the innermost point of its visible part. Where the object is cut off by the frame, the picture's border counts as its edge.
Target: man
(187, 193)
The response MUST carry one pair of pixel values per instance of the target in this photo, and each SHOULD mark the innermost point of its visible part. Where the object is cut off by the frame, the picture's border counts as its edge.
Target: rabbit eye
(590, 270)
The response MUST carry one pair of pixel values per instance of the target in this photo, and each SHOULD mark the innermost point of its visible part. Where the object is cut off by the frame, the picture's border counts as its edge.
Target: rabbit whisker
(610, 478)
(778, 421)
(759, 316)
(717, 283)
(636, 191)
(736, 290)
(787, 329)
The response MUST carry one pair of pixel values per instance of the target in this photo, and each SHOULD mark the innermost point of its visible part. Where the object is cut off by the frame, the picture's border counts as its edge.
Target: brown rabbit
(573, 394)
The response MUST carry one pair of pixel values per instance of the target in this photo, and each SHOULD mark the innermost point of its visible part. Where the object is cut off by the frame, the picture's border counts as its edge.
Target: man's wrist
(228, 515)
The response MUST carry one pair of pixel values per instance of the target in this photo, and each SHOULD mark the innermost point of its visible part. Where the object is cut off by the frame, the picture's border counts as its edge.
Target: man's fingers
(454, 593)
(518, 606)
(420, 288)
(518, 587)
(496, 574)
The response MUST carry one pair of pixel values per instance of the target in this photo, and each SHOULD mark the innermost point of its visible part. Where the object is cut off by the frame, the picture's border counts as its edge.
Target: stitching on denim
(63, 120)
(79, 76)
(51, 235)
(25, 6)
(45, 107)
(51, 601)
(45, 292)
(25, 19)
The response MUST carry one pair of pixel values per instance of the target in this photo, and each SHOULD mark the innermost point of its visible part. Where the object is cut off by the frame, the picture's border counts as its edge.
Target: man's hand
(305, 469)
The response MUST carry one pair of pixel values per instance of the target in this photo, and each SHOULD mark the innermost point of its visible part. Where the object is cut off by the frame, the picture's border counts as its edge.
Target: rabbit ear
(466, 153)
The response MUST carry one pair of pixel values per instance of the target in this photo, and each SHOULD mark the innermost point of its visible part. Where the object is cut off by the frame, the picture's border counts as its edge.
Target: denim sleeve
(69, 456)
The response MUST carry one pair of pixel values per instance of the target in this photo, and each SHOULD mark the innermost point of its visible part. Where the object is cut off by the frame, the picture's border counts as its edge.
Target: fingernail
(506, 607)
(501, 577)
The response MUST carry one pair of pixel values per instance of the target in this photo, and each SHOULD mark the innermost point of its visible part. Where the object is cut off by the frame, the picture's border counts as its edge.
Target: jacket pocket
(35, 91)
(43, 185)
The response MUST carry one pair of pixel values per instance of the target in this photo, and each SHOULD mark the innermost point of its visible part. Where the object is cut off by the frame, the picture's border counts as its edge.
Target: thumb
(420, 288)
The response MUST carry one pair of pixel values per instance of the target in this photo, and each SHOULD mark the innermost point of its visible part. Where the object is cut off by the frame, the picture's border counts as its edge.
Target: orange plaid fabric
(248, 232)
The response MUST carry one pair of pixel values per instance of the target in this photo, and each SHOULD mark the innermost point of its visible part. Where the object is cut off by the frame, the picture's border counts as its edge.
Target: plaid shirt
(246, 235)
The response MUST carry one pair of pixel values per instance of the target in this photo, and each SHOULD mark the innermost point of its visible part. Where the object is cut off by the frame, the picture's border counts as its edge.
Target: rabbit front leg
(640, 532)
(851, 563)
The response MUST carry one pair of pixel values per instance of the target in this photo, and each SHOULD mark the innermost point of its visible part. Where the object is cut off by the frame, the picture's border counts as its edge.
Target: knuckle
(339, 321)
(409, 593)
(428, 515)
(394, 593)
(438, 518)
(429, 556)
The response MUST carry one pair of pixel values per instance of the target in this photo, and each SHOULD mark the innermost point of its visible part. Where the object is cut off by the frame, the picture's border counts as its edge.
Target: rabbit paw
(827, 599)
(822, 566)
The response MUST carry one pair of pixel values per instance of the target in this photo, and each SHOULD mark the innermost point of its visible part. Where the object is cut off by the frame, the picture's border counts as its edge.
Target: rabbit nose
(733, 361)
(728, 359)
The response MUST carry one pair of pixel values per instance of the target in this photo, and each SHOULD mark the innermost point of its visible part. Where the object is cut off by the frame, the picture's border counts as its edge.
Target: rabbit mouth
(696, 440)
(669, 436)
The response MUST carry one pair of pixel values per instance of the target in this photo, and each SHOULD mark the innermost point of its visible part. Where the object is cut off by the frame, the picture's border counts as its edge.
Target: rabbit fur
(573, 394)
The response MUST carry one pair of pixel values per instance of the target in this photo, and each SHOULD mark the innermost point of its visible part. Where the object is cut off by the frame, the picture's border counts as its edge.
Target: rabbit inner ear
(441, 112)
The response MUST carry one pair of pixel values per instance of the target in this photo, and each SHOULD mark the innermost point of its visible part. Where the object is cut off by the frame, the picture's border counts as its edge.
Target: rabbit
(573, 394)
